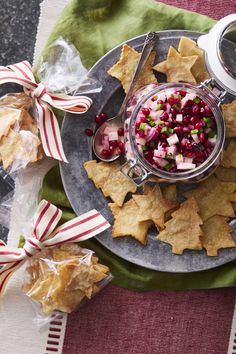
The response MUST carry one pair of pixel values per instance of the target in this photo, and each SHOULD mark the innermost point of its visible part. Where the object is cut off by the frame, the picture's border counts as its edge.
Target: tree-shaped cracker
(216, 235)
(214, 197)
(127, 223)
(153, 206)
(183, 231)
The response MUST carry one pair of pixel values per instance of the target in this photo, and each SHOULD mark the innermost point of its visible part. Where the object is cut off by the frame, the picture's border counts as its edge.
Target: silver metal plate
(84, 196)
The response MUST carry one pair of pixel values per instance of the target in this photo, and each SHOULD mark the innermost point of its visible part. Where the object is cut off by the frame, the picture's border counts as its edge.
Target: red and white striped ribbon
(44, 235)
(21, 73)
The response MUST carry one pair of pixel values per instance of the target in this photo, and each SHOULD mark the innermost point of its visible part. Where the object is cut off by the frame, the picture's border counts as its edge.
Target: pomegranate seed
(164, 116)
(199, 154)
(171, 101)
(189, 154)
(120, 131)
(159, 128)
(163, 136)
(103, 115)
(106, 153)
(202, 104)
(173, 112)
(183, 93)
(120, 152)
(185, 120)
(207, 143)
(188, 146)
(141, 134)
(189, 103)
(186, 129)
(120, 145)
(143, 120)
(98, 119)
(167, 124)
(186, 110)
(113, 143)
(176, 100)
(88, 132)
(199, 125)
(193, 120)
(145, 111)
(196, 109)
(178, 130)
(160, 102)
(202, 137)
(148, 154)
(164, 144)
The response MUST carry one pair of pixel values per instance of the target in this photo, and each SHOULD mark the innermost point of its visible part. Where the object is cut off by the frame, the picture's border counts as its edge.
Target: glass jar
(212, 92)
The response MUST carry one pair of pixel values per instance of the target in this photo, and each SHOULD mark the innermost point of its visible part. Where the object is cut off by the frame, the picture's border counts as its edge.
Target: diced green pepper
(208, 121)
(142, 126)
(160, 122)
(168, 166)
(169, 156)
(151, 122)
(170, 130)
(159, 106)
(164, 130)
(196, 100)
(194, 131)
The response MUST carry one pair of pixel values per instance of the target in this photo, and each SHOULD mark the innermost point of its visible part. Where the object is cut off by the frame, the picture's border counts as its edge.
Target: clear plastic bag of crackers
(60, 280)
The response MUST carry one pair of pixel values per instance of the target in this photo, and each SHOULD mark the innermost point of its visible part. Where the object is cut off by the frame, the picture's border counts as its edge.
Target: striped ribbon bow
(44, 235)
(22, 74)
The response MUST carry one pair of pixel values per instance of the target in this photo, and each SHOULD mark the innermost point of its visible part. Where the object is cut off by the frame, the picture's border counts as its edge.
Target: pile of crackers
(202, 220)
(19, 134)
(61, 278)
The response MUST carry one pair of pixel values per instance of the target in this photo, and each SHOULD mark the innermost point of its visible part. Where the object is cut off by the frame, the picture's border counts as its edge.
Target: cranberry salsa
(175, 131)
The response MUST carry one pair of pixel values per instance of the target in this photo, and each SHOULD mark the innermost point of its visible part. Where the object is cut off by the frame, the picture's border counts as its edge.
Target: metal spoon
(118, 120)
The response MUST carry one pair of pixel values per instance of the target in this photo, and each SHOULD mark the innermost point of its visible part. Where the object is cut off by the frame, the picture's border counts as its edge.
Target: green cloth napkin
(96, 26)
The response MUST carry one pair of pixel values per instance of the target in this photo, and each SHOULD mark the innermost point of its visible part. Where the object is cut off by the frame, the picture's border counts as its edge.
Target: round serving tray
(84, 196)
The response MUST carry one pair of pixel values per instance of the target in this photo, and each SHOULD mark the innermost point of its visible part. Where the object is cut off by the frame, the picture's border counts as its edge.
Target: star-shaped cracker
(112, 182)
(124, 69)
(213, 198)
(127, 222)
(229, 155)
(229, 114)
(183, 231)
(153, 206)
(188, 47)
(177, 68)
(216, 235)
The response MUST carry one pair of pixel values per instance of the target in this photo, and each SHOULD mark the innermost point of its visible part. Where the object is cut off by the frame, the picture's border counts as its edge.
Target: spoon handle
(147, 48)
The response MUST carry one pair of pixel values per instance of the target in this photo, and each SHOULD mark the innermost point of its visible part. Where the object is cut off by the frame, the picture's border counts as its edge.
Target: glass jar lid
(220, 49)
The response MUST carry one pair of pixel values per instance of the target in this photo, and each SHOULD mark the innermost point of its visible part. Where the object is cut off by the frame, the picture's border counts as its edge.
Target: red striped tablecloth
(119, 321)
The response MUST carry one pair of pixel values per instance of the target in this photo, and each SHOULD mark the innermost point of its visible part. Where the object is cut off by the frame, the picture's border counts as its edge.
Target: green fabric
(96, 26)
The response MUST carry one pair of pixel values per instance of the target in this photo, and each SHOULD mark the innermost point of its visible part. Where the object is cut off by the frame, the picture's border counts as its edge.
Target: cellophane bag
(61, 279)
(21, 153)
(61, 70)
